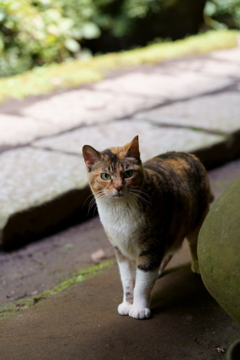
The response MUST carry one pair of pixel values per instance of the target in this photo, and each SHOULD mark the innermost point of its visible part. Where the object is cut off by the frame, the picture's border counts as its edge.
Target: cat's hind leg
(164, 263)
(192, 241)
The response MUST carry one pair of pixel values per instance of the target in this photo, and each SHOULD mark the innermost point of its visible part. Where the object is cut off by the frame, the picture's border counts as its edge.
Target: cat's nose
(118, 187)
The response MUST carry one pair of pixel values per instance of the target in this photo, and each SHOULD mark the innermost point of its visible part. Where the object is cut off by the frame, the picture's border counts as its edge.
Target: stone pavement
(190, 104)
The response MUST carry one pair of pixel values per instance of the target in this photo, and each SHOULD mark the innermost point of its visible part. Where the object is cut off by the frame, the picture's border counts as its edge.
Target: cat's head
(115, 172)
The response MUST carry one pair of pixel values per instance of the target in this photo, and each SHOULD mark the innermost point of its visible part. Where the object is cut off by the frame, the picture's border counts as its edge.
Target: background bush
(223, 14)
(38, 32)
(127, 23)
(42, 31)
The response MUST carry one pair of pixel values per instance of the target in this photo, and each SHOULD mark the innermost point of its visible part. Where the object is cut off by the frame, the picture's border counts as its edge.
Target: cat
(147, 210)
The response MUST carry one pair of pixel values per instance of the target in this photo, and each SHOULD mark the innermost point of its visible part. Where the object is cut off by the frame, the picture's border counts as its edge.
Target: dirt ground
(43, 264)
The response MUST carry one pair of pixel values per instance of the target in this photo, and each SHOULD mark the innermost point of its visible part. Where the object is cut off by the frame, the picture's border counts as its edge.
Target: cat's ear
(91, 156)
(133, 150)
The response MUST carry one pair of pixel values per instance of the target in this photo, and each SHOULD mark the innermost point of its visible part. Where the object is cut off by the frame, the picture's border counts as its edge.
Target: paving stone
(81, 107)
(218, 113)
(209, 65)
(30, 181)
(17, 130)
(174, 86)
(231, 55)
(154, 140)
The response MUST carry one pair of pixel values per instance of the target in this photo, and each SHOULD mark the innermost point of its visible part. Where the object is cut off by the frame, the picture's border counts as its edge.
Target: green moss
(46, 79)
(80, 275)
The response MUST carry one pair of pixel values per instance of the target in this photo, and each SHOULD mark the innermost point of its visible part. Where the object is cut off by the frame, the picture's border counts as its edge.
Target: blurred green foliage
(120, 16)
(220, 14)
(36, 32)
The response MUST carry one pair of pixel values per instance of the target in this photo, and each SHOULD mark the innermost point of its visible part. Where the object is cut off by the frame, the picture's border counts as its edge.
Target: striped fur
(146, 216)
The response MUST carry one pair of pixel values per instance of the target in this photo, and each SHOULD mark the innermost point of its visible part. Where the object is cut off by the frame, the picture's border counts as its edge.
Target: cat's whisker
(144, 202)
(102, 195)
(93, 203)
(94, 211)
(90, 206)
(138, 200)
(140, 188)
(134, 198)
(141, 198)
(142, 192)
(89, 196)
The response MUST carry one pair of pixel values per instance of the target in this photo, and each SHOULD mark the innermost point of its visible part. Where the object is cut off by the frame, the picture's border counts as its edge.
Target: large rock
(219, 250)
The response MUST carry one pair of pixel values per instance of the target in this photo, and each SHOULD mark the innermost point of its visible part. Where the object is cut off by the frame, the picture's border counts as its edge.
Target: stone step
(40, 192)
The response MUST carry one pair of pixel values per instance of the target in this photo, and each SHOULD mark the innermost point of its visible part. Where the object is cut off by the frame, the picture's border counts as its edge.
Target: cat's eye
(105, 176)
(128, 174)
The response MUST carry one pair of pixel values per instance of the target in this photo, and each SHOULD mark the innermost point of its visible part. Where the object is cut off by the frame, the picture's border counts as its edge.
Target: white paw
(195, 267)
(124, 308)
(138, 312)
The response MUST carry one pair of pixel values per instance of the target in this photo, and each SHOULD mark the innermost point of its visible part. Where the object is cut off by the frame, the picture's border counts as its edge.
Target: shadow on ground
(82, 323)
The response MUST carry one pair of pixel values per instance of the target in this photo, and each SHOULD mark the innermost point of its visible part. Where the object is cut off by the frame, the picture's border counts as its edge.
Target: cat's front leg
(144, 284)
(127, 270)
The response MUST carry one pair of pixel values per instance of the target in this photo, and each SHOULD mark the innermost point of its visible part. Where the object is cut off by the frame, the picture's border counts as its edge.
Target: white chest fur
(123, 221)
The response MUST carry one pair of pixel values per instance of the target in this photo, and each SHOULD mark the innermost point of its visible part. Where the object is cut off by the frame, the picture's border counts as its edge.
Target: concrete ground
(82, 323)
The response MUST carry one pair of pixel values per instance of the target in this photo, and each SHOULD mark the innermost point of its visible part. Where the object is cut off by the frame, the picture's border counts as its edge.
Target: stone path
(189, 104)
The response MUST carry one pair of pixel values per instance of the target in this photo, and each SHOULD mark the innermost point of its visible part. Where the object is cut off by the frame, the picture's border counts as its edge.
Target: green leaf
(210, 8)
(72, 45)
(90, 31)
(77, 33)
(1, 44)
(53, 14)
(2, 16)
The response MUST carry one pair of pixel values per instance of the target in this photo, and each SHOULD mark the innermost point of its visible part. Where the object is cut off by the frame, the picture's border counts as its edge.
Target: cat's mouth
(119, 195)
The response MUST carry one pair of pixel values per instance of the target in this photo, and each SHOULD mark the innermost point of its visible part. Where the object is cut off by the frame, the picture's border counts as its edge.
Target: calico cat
(147, 210)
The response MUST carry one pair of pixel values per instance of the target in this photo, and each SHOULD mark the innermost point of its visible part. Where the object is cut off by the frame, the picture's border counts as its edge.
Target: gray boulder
(219, 250)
